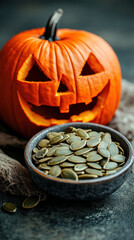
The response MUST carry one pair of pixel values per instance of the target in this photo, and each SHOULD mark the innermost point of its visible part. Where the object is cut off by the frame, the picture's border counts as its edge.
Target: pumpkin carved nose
(62, 87)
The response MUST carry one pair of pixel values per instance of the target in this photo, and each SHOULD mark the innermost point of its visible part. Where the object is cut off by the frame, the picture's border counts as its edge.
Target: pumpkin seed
(51, 151)
(107, 160)
(77, 145)
(51, 135)
(63, 144)
(90, 153)
(70, 130)
(94, 158)
(93, 142)
(121, 164)
(103, 162)
(41, 153)
(57, 160)
(83, 151)
(104, 152)
(118, 158)
(120, 148)
(62, 151)
(67, 164)
(61, 133)
(34, 157)
(76, 159)
(43, 166)
(73, 139)
(83, 134)
(31, 202)
(80, 172)
(93, 171)
(113, 149)
(56, 139)
(88, 130)
(102, 144)
(111, 171)
(118, 144)
(35, 150)
(9, 207)
(44, 159)
(107, 138)
(65, 137)
(94, 134)
(69, 174)
(43, 143)
(72, 134)
(94, 165)
(118, 168)
(55, 171)
(87, 176)
(110, 166)
(80, 167)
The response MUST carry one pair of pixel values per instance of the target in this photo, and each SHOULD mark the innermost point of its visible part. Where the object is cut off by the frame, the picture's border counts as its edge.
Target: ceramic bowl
(83, 189)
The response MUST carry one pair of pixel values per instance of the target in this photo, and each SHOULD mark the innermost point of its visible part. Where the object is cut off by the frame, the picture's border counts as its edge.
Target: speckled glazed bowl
(82, 189)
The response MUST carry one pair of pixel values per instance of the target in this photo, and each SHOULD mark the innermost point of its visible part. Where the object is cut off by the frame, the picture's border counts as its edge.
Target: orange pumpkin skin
(82, 61)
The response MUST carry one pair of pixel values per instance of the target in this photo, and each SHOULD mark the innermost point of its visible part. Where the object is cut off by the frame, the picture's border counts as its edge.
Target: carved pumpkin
(57, 76)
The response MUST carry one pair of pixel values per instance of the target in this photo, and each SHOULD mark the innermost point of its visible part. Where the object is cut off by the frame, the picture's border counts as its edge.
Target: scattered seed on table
(9, 207)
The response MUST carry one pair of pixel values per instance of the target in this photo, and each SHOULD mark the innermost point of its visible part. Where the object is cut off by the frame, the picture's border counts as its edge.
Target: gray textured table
(111, 218)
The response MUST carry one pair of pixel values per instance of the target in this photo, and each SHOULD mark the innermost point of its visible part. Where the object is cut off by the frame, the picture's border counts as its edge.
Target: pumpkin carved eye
(36, 74)
(32, 72)
(92, 66)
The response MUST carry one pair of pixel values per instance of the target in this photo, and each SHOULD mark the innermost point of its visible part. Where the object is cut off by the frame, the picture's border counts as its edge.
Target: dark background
(113, 20)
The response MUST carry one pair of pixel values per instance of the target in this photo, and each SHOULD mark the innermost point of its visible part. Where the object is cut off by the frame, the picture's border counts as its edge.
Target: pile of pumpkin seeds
(78, 154)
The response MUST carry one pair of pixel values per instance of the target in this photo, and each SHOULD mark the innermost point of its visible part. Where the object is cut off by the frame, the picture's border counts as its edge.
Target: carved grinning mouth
(54, 112)
(44, 115)
(47, 116)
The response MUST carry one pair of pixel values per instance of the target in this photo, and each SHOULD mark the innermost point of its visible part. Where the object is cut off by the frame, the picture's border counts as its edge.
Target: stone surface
(111, 218)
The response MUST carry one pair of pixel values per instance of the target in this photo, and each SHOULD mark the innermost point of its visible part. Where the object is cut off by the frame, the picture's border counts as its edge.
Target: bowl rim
(110, 177)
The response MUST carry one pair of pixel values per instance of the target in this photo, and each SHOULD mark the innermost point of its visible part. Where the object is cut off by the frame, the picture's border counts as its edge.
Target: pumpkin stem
(51, 27)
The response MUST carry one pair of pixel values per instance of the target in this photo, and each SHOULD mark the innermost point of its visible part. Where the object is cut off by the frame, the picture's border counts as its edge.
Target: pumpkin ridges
(18, 121)
(111, 52)
(96, 83)
(66, 34)
(89, 78)
(72, 67)
(104, 118)
(115, 90)
(76, 92)
(52, 60)
(84, 85)
(59, 75)
(7, 92)
(73, 99)
(21, 120)
(66, 58)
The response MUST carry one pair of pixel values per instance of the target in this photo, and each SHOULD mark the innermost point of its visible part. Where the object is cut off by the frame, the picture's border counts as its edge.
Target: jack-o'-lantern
(51, 76)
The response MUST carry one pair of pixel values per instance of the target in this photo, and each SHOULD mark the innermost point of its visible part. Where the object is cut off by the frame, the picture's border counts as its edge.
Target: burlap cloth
(15, 178)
